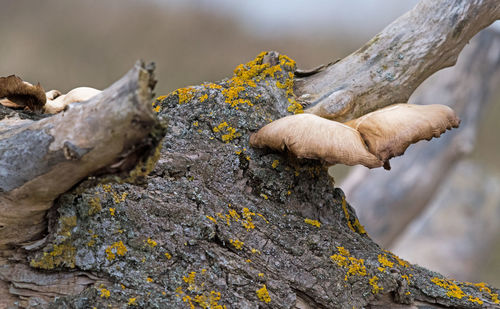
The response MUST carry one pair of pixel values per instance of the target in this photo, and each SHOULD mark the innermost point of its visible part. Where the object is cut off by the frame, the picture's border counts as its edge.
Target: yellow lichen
(212, 219)
(353, 265)
(105, 293)
(131, 301)
(453, 290)
(263, 294)
(111, 211)
(312, 222)
(237, 243)
(475, 300)
(61, 255)
(203, 98)
(152, 243)
(95, 205)
(149, 279)
(117, 248)
(260, 275)
(375, 287)
(168, 255)
(184, 94)
(275, 163)
(264, 196)
(230, 132)
(382, 259)
(119, 198)
(359, 228)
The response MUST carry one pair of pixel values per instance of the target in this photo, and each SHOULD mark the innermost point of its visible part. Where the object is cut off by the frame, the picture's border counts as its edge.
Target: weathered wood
(396, 61)
(387, 202)
(40, 160)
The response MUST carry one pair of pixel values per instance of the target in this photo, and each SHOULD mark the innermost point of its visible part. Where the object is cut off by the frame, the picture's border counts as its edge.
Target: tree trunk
(218, 224)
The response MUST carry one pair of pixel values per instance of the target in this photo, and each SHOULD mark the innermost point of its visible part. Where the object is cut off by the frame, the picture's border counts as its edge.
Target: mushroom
(312, 137)
(19, 94)
(56, 101)
(389, 131)
(370, 140)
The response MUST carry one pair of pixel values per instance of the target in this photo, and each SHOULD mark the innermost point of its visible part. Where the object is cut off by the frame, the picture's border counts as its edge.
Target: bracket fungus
(370, 140)
(16, 93)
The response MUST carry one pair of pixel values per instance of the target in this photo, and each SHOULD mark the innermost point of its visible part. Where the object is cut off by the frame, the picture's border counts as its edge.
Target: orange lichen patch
(117, 248)
(184, 94)
(230, 132)
(161, 98)
(375, 287)
(312, 222)
(237, 243)
(117, 199)
(253, 250)
(475, 300)
(203, 98)
(62, 254)
(485, 289)
(203, 299)
(453, 290)
(353, 265)
(151, 243)
(149, 279)
(356, 226)
(105, 293)
(95, 205)
(406, 278)
(247, 221)
(212, 219)
(263, 294)
(382, 259)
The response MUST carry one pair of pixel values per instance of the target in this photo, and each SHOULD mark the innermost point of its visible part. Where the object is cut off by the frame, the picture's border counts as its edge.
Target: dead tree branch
(388, 68)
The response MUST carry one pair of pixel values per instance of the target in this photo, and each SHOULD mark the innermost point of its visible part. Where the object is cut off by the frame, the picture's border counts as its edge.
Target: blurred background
(65, 44)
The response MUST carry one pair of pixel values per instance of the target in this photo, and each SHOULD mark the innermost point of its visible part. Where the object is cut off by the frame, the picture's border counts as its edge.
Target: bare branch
(391, 66)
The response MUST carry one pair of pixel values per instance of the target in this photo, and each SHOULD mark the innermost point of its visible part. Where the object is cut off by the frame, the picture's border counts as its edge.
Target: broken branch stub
(113, 133)
(388, 68)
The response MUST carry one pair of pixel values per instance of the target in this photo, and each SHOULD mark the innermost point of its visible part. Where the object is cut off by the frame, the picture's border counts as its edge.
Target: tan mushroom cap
(389, 131)
(21, 94)
(76, 95)
(312, 137)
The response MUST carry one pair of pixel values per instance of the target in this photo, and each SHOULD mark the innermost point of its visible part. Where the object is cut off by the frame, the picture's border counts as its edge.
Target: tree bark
(219, 224)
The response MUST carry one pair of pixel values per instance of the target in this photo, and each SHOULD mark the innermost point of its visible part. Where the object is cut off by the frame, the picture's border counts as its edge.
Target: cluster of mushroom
(16, 93)
(370, 140)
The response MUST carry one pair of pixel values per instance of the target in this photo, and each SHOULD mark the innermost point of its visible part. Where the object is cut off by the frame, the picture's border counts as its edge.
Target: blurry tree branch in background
(217, 223)
(392, 65)
(387, 202)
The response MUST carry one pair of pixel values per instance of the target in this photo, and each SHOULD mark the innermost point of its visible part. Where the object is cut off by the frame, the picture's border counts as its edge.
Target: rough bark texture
(416, 176)
(419, 43)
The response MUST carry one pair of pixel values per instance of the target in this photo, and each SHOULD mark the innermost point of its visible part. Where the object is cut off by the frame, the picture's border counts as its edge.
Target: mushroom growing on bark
(370, 140)
(16, 93)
